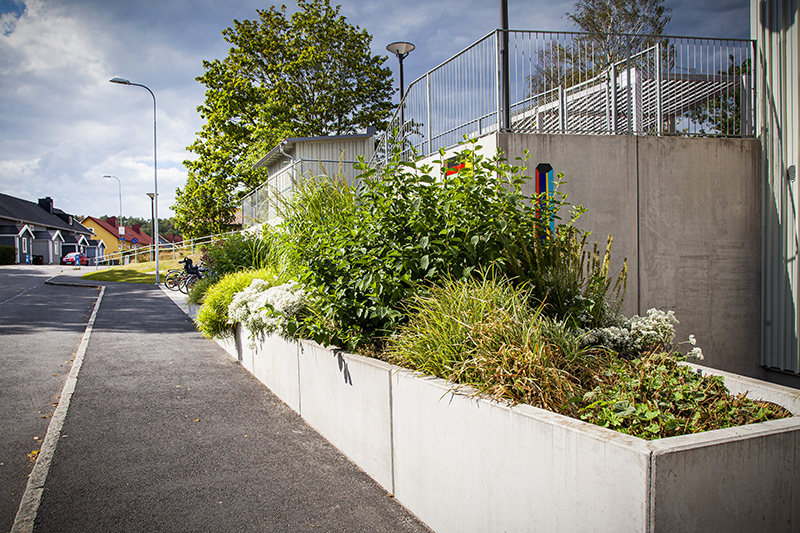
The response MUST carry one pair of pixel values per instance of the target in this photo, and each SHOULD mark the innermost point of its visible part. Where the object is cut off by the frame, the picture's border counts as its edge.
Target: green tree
(606, 20)
(721, 114)
(308, 74)
(610, 27)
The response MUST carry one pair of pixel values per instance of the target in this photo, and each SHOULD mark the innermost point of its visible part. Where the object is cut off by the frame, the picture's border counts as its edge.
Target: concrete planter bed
(462, 463)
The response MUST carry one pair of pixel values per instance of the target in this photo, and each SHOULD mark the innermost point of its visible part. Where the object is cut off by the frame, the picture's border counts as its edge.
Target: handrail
(147, 251)
(689, 86)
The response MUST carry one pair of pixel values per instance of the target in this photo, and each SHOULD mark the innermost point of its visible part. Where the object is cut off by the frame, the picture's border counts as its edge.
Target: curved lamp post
(120, 194)
(401, 50)
(123, 81)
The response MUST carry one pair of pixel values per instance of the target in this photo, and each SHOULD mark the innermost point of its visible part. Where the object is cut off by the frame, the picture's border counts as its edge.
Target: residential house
(48, 244)
(96, 251)
(21, 238)
(106, 231)
(51, 233)
(75, 242)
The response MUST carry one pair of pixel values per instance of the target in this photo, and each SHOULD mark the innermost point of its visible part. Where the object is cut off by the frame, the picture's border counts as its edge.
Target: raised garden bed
(462, 463)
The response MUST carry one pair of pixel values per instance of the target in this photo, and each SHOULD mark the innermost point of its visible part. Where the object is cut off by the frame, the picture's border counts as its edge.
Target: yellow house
(107, 231)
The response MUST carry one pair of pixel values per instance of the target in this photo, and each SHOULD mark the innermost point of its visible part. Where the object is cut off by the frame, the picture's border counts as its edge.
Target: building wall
(774, 26)
(333, 150)
(686, 214)
(111, 240)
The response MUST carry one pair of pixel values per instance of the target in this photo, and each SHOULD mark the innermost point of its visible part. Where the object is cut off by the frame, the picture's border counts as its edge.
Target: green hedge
(7, 255)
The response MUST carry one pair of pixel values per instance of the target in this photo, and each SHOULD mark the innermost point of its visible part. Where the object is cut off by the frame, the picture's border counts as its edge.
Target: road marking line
(20, 294)
(29, 506)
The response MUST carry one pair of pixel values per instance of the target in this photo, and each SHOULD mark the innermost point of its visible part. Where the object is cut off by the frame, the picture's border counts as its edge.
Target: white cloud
(63, 126)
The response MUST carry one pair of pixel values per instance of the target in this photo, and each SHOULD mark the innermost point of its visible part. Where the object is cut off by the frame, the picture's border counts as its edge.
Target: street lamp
(123, 81)
(152, 196)
(401, 50)
(120, 195)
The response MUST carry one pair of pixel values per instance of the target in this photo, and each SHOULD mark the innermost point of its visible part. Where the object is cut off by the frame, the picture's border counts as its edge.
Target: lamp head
(151, 195)
(121, 81)
(400, 48)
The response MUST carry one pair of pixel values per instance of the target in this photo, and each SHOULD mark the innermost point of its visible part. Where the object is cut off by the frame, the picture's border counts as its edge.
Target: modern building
(775, 28)
(300, 156)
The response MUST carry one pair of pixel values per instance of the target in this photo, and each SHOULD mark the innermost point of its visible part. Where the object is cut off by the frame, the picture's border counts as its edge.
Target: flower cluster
(264, 308)
(640, 334)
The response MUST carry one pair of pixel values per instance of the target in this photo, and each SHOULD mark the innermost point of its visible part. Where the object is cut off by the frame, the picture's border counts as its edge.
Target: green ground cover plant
(483, 333)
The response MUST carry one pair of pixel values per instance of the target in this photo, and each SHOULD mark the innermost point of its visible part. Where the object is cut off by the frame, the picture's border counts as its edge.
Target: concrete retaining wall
(686, 213)
(465, 464)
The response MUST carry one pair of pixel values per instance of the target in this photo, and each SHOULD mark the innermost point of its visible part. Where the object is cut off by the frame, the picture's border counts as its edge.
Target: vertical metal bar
(499, 80)
(428, 128)
(659, 101)
(613, 98)
(628, 68)
(504, 75)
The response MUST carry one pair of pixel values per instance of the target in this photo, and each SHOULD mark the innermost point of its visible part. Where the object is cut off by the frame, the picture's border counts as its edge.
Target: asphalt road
(40, 329)
(165, 432)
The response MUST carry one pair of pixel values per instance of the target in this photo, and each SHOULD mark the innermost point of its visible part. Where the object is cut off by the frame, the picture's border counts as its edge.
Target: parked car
(75, 258)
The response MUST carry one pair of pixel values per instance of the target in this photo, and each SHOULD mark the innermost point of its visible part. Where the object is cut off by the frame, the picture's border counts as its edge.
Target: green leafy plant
(7, 255)
(655, 397)
(212, 317)
(237, 251)
(408, 228)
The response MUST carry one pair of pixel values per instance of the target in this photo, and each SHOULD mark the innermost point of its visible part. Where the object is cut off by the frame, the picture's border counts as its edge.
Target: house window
(24, 245)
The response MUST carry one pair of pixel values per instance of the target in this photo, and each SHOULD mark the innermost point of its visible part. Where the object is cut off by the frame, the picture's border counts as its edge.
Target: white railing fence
(144, 254)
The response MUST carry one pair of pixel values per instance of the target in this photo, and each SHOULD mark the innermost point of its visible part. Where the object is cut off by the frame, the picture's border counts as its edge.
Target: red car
(75, 258)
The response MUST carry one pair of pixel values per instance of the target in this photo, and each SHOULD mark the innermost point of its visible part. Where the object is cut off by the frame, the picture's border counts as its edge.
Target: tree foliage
(611, 27)
(607, 20)
(308, 74)
(722, 113)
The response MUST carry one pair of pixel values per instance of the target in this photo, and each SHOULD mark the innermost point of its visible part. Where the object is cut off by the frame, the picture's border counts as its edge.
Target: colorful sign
(545, 187)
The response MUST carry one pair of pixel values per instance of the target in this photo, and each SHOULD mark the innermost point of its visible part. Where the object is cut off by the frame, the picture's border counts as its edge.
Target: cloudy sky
(63, 125)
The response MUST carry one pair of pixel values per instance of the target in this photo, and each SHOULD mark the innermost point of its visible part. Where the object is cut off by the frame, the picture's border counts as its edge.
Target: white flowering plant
(637, 335)
(266, 308)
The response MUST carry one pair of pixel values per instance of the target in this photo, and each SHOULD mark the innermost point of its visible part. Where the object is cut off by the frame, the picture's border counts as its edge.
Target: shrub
(632, 337)
(365, 254)
(243, 251)
(267, 308)
(197, 293)
(8, 255)
(212, 317)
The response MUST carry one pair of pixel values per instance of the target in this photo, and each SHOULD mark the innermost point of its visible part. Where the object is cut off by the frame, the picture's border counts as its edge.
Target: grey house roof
(48, 235)
(18, 211)
(15, 229)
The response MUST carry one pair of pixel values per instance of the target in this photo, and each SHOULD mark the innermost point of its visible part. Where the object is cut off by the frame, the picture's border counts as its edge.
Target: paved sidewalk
(165, 432)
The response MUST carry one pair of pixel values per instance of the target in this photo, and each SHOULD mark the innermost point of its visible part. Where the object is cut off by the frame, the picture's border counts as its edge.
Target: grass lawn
(134, 273)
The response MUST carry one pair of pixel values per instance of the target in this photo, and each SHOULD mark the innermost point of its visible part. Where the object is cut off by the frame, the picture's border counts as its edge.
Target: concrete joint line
(29, 506)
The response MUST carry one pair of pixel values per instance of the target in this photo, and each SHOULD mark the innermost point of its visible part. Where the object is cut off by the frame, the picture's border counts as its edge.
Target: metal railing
(143, 254)
(260, 205)
(575, 83)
